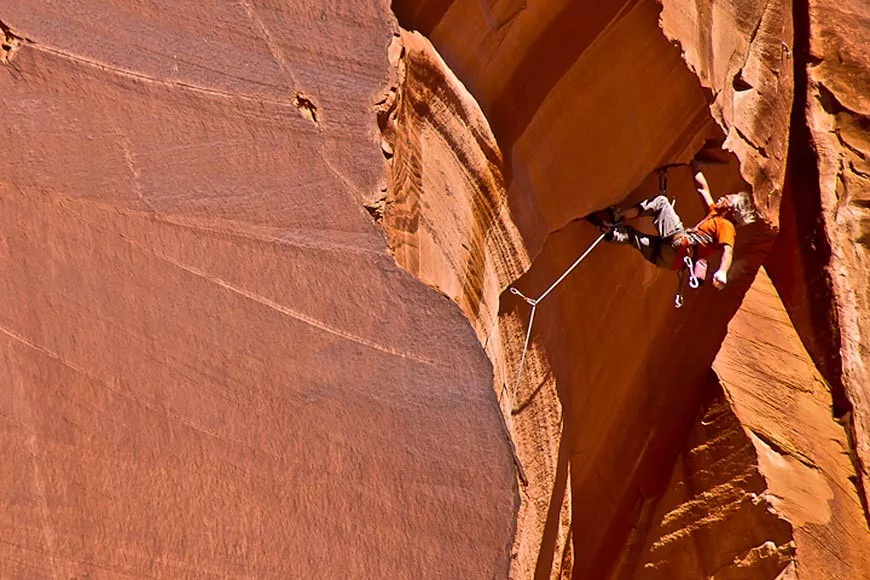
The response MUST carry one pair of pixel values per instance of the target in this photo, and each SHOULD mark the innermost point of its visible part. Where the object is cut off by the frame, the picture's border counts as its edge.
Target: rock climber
(674, 242)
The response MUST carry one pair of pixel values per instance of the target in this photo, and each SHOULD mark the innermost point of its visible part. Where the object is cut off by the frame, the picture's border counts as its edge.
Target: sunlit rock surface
(585, 102)
(256, 257)
(209, 363)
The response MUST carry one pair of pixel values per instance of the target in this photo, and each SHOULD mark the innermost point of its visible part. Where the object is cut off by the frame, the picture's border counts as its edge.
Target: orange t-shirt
(709, 236)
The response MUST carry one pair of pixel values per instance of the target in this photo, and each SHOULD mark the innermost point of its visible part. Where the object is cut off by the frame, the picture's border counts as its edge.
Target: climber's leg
(650, 247)
(665, 218)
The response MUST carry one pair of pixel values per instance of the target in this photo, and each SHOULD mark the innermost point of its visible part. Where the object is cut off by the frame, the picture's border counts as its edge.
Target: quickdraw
(694, 282)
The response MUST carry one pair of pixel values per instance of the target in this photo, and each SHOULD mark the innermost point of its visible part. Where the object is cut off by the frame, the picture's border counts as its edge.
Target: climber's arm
(701, 184)
(720, 278)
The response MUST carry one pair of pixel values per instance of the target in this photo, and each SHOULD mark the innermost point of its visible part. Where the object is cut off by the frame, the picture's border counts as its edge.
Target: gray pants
(656, 249)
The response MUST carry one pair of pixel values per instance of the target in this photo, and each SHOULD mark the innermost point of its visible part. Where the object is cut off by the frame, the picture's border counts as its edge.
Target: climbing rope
(533, 302)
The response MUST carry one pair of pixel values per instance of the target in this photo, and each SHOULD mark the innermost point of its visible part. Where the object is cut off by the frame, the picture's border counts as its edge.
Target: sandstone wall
(742, 54)
(255, 260)
(765, 483)
(784, 405)
(838, 118)
(628, 372)
(209, 363)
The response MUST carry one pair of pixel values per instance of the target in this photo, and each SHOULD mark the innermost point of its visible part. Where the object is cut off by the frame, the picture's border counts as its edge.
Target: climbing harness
(533, 302)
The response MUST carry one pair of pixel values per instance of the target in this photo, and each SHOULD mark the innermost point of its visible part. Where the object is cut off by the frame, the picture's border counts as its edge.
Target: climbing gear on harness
(693, 280)
(697, 269)
(681, 277)
(533, 302)
(678, 299)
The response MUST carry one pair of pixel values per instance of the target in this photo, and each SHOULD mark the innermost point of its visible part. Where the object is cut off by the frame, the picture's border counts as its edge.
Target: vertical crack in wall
(801, 258)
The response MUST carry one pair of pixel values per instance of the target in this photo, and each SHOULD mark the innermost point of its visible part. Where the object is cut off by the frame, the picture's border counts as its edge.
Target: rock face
(784, 406)
(741, 52)
(838, 118)
(764, 477)
(714, 521)
(210, 363)
(585, 101)
(255, 263)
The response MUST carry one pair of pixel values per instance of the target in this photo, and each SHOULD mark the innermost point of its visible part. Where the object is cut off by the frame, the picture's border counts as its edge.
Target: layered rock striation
(209, 363)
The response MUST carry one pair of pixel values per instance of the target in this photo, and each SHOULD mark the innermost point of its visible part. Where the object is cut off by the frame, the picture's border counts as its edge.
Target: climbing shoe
(616, 233)
(608, 224)
(604, 220)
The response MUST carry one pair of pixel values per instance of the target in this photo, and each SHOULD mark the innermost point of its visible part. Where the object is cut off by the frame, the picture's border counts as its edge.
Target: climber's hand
(720, 278)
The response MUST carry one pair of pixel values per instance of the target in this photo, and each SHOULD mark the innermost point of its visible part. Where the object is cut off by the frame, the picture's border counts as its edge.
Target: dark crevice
(9, 43)
(739, 83)
(307, 107)
(802, 231)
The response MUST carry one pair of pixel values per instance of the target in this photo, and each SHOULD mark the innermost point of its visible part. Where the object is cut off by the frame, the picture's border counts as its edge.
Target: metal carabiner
(694, 283)
(530, 301)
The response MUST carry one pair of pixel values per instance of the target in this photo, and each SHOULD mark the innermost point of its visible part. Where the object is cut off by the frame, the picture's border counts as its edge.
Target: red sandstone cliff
(210, 364)
(585, 101)
(255, 262)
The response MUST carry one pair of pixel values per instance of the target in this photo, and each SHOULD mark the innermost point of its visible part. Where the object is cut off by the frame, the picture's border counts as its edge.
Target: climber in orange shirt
(674, 242)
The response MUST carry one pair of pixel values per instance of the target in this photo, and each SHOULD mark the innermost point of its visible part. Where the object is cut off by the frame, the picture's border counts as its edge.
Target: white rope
(533, 302)
(523, 358)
